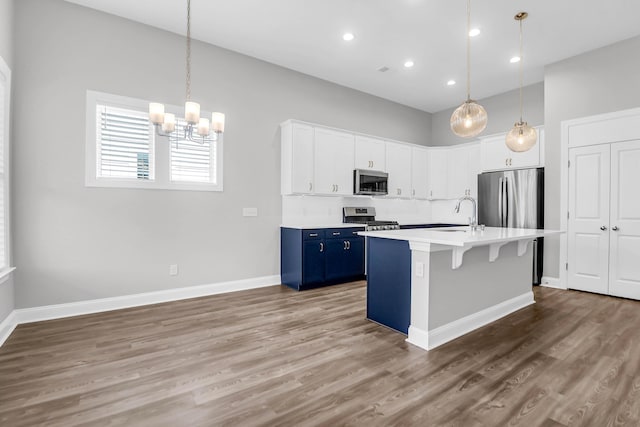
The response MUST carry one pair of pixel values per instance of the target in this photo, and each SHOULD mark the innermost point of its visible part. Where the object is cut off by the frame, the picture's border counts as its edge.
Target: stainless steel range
(367, 217)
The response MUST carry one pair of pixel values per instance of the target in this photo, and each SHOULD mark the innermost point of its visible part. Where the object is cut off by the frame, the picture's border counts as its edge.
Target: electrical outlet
(249, 211)
(173, 270)
(420, 269)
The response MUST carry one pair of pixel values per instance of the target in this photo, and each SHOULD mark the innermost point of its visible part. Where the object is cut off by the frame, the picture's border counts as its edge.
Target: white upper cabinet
(437, 173)
(419, 173)
(474, 169)
(370, 153)
(457, 172)
(297, 159)
(463, 167)
(399, 169)
(495, 155)
(333, 162)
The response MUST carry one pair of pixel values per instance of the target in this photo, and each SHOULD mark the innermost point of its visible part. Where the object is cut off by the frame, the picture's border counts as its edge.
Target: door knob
(614, 228)
(603, 228)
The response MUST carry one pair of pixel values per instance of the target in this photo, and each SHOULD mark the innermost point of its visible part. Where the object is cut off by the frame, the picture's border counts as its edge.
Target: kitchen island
(437, 284)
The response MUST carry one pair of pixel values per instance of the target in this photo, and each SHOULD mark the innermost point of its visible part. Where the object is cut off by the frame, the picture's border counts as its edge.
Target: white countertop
(461, 236)
(316, 225)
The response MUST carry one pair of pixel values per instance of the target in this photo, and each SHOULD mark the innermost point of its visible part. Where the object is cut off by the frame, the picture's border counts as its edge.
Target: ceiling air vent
(383, 69)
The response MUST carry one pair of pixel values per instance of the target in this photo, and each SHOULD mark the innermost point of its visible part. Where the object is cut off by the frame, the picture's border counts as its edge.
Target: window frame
(5, 73)
(159, 148)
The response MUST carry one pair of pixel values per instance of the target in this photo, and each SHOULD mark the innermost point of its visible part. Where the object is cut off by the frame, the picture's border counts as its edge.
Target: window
(5, 94)
(123, 150)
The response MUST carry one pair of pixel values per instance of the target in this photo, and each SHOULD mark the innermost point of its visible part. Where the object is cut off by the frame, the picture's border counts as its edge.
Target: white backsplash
(318, 210)
(444, 211)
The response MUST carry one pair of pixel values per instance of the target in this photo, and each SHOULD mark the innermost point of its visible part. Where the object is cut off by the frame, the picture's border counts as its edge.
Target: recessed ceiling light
(451, 82)
(474, 32)
(515, 59)
(348, 37)
(408, 63)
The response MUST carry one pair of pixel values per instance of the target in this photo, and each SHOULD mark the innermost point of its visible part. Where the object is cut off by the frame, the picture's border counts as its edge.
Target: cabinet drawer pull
(344, 245)
(321, 247)
(348, 245)
(313, 234)
(336, 233)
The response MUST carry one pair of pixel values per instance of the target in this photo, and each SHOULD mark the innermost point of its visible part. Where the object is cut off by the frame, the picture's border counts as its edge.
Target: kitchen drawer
(316, 234)
(342, 233)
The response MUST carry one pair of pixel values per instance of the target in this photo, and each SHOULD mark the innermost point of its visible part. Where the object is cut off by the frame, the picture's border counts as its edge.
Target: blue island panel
(389, 283)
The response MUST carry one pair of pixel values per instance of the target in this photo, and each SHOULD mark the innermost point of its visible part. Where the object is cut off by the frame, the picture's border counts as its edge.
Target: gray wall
(600, 81)
(502, 110)
(76, 243)
(6, 52)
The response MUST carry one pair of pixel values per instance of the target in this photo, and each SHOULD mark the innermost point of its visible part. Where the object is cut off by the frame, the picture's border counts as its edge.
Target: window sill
(4, 274)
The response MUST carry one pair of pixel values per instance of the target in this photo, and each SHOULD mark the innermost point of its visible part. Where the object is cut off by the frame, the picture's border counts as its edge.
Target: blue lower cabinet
(389, 283)
(317, 257)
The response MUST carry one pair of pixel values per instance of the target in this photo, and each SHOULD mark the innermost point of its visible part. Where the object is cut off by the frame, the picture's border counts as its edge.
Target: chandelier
(521, 137)
(470, 118)
(194, 127)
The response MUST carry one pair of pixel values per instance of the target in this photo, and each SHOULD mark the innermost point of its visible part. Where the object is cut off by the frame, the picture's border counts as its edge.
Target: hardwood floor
(276, 357)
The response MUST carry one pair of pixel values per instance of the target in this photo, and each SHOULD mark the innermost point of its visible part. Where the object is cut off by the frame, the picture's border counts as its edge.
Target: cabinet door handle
(348, 245)
(321, 247)
(337, 187)
(615, 228)
(506, 162)
(430, 193)
(603, 228)
(344, 245)
(413, 192)
(310, 186)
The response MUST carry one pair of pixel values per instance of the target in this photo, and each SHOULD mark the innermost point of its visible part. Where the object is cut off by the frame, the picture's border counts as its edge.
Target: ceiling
(306, 36)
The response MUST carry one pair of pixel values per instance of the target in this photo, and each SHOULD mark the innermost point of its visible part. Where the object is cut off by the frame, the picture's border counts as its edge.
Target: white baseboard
(455, 329)
(551, 282)
(7, 326)
(418, 337)
(58, 311)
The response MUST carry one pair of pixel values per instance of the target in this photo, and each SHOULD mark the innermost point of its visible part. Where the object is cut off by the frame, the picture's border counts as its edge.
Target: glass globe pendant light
(470, 118)
(521, 137)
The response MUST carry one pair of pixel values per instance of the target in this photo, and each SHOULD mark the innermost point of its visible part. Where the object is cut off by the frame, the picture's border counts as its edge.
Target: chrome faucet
(474, 218)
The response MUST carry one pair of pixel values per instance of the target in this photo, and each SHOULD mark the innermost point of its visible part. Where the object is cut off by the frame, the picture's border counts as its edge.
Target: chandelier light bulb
(217, 122)
(156, 113)
(169, 124)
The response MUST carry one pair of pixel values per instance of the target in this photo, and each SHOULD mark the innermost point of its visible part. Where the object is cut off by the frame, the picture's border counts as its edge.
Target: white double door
(604, 219)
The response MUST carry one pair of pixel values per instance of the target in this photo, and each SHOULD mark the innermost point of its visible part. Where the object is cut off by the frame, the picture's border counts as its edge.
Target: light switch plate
(249, 211)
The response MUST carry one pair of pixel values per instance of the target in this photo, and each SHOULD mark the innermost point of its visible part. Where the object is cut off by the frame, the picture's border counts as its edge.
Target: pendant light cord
(188, 50)
(468, 50)
(521, 70)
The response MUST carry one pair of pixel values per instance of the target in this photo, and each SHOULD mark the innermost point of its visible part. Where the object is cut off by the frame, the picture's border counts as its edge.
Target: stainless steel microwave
(370, 183)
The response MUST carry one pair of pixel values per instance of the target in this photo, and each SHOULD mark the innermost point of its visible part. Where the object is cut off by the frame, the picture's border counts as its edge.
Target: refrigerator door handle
(501, 187)
(506, 202)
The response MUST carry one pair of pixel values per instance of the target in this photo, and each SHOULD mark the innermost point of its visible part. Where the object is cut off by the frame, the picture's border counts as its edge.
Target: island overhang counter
(437, 284)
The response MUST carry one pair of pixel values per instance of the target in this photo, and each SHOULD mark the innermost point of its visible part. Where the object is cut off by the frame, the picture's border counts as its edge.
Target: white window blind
(192, 161)
(124, 147)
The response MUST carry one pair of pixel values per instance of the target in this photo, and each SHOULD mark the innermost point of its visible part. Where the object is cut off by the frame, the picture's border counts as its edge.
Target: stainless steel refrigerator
(514, 199)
